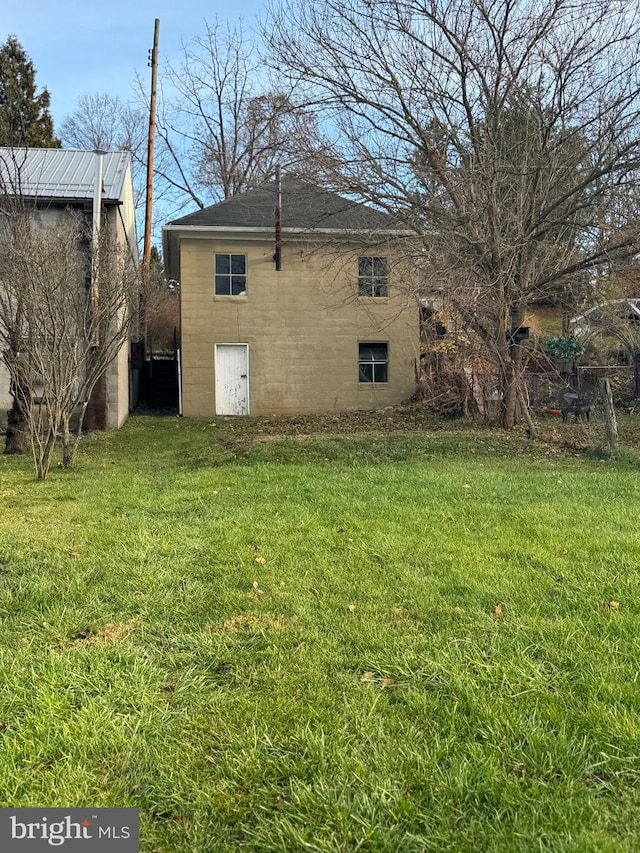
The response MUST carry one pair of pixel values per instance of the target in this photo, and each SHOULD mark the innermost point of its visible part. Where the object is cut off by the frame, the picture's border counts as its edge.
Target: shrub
(566, 347)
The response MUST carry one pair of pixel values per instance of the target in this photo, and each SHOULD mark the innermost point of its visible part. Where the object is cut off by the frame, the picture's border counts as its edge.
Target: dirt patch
(399, 618)
(407, 418)
(109, 633)
(253, 623)
(296, 437)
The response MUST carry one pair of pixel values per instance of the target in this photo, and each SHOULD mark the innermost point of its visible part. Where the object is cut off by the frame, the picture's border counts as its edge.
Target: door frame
(215, 374)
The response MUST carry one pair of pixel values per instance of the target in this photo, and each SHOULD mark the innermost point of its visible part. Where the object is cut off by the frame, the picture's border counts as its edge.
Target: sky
(81, 47)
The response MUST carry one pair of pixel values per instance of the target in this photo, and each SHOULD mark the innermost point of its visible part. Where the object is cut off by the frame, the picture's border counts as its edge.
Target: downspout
(278, 253)
(179, 354)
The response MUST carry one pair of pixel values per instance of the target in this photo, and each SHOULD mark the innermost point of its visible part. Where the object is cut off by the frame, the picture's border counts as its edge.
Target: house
(292, 302)
(53, 180)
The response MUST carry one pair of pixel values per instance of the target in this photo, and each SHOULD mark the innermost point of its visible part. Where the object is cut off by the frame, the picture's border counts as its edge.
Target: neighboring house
(336, 328)
(51, 180)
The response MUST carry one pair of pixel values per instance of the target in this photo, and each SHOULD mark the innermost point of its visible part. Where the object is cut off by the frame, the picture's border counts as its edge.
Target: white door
(232, 379)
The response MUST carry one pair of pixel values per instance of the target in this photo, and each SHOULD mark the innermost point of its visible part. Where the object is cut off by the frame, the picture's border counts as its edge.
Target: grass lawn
(381, 637)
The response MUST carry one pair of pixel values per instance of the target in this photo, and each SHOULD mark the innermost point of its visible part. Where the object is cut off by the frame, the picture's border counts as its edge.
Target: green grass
(404, 635)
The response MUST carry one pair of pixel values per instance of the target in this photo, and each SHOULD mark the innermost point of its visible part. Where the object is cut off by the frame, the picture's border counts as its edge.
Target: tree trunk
(17, 428)
(511, 367)
(610, 420)
(67, 444)
(71, 440)
(43, 460)
(509, 399)
(524, 408)
(509, 378)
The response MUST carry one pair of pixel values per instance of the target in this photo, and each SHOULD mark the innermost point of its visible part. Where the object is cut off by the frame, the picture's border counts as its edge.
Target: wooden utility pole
(153, 62)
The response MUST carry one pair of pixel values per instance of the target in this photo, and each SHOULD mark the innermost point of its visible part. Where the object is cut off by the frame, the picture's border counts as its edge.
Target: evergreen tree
(25, 119)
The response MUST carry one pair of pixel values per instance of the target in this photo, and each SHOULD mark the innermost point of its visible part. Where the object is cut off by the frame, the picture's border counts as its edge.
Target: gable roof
(57, 173)
(304, 207)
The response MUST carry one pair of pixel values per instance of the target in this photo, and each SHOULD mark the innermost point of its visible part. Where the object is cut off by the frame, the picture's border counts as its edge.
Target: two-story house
(292, 301)
(50, 180)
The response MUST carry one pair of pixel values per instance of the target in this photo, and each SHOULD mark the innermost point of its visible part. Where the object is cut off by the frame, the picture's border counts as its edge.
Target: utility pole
(153, 63)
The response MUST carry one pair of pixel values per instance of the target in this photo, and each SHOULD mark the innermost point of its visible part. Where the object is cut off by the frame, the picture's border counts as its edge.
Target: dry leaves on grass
(383, 680)
(253, 623)
(611, 605)
(110, 633)
(403, 621)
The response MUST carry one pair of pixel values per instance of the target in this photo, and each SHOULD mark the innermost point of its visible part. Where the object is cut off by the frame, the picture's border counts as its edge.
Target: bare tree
(161, 306)
(503, 132)
(222, 126)
(73, 323)
(102, 122)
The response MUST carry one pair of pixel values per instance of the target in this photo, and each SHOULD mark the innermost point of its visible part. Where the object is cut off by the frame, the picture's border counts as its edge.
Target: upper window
(231, 275)
(373, 277)
(373, 362)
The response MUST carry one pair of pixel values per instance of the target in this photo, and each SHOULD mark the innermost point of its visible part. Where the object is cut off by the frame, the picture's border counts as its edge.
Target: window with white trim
(373, 276)
(373, 362)
(231, 275)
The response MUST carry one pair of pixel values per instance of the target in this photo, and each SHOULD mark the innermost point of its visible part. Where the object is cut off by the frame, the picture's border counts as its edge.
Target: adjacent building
(51, 180)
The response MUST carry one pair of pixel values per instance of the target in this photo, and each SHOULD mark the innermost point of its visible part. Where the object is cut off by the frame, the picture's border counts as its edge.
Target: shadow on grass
(624, 457)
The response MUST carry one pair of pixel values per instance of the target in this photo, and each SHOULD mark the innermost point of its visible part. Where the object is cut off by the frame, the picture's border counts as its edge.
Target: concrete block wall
(117, 389)
(302, 324)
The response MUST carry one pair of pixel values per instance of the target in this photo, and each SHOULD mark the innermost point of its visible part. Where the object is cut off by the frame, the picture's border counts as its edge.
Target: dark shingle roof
(304, 206)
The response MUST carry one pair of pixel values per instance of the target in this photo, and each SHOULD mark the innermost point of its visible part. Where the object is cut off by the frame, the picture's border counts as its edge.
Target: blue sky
(81, 47)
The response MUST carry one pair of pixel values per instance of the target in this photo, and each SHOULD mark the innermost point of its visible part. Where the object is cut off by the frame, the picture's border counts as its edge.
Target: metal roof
(57, 173)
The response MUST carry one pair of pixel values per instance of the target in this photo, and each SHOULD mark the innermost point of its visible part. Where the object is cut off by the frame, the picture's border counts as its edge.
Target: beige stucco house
(315, 313)
(49, 181)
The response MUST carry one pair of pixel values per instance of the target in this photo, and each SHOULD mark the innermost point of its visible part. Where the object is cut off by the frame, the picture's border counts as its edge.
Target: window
(373, 363)
(231, 275)
(373, 277)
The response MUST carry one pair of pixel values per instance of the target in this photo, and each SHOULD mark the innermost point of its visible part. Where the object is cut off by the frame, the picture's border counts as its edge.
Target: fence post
(610, 421)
